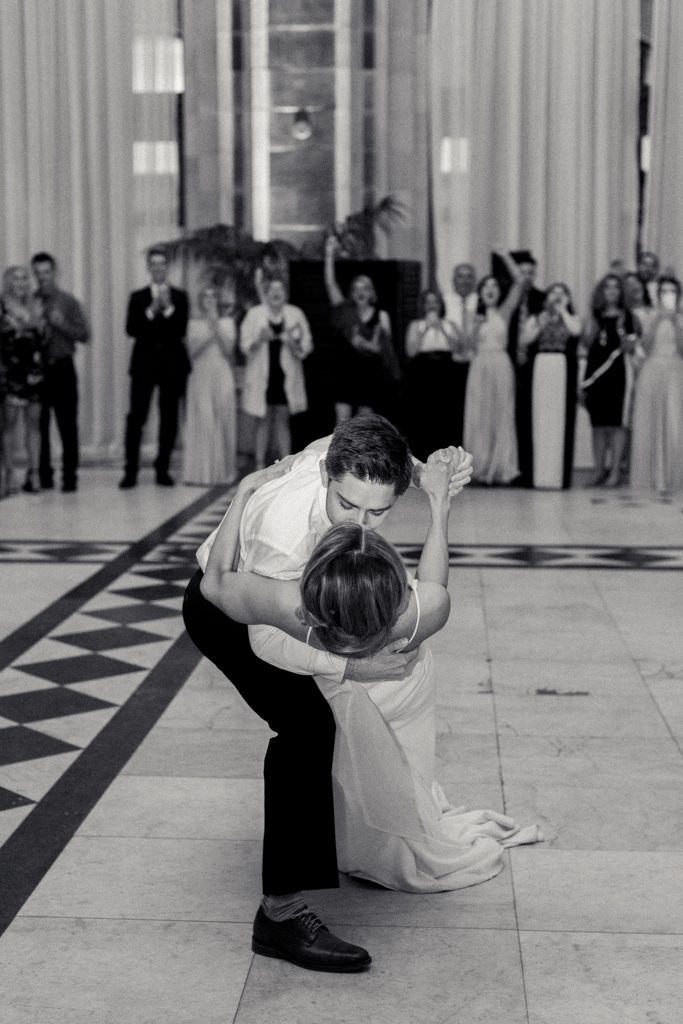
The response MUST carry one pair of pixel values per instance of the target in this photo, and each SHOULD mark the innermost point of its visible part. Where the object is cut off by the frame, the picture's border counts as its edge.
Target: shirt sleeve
(283, 651)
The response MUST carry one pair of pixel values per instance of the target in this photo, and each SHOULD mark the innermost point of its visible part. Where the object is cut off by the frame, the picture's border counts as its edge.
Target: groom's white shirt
(281, 525)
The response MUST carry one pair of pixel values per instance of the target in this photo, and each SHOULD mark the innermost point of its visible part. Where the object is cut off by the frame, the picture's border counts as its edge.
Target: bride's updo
(353, 589)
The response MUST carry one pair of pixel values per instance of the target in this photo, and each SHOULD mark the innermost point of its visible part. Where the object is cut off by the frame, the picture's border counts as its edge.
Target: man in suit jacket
(157, 321)
(648, 272)
(66, 325)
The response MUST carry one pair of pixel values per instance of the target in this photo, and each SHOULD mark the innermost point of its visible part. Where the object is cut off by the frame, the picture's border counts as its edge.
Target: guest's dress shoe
(128, 481)
(69, 486)
(305, 941)
(165, 480)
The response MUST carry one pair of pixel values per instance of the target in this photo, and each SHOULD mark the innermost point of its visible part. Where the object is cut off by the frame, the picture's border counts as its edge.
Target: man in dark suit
(157, 321)
(530, 304)
(66, 325)
(648, 272)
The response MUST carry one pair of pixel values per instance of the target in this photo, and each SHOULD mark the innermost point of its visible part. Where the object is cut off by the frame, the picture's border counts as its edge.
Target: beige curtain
(663, 221)
(534, 117)
(66, 175)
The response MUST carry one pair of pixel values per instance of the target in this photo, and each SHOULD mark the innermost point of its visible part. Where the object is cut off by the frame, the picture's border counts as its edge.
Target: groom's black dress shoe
(165, 480)
(304, 940)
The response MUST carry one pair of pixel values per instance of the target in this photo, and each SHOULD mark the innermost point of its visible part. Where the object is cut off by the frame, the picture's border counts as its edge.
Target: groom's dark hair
(370, 448)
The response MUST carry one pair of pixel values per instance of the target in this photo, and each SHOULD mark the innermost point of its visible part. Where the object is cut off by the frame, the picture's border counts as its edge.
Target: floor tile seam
(338, 923)
(223, 840)
(676, 740)
(243, 989)
(501, 773)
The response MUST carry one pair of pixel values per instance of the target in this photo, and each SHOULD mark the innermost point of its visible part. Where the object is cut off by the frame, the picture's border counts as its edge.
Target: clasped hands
(451, 463)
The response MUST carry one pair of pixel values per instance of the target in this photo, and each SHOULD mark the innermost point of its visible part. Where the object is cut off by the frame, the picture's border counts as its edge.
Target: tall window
(158, 87)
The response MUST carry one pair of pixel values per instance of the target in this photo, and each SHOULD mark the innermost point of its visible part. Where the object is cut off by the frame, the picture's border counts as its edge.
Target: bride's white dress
(394, 824)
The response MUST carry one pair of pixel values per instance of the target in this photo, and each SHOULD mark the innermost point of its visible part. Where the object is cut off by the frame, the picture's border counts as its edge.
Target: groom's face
(350, 500)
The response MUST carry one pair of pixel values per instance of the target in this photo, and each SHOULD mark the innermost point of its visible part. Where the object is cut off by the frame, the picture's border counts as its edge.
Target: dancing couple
(312, 616)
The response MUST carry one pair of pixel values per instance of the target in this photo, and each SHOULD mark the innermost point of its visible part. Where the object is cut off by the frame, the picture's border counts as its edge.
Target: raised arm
(514, 296)
(334, 292)
(432, 569)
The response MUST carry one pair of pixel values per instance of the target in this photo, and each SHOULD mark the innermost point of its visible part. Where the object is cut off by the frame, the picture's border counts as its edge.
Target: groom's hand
(384, 665)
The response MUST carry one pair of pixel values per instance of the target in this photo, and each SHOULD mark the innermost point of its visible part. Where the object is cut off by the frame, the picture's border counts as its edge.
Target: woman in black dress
(22, 334)
(607, 385)
(367, 371)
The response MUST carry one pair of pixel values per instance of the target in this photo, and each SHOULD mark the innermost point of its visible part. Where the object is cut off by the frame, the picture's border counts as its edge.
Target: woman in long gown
(657, 439)
(210, 437)
(394, 825)
(490, 433)
(549, 342)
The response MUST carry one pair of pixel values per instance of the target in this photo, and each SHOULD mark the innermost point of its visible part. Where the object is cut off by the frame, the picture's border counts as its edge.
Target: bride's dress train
(394, 824)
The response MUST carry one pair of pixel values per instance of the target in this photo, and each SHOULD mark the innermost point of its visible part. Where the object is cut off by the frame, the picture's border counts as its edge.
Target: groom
(357, 475)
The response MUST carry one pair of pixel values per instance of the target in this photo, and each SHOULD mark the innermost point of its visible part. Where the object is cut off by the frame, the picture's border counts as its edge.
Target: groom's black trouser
(299, 849)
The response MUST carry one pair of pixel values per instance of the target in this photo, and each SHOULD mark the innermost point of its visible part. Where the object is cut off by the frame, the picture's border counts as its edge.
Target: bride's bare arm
(432, 570)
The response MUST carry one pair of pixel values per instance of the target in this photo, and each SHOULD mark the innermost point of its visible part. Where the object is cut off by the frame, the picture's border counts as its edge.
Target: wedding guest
(607, 386)
(530, 304)
(157, 321)
(648, 269)
(430, 342)
(66, 326)
(22, 339)
(210, 437)
(643, 312)
(461, 310)
(549, 345)
(657, 439)
(367, 372)
(490, 400)
(275, 338)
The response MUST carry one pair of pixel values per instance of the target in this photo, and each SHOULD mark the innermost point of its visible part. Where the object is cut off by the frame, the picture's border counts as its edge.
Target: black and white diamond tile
(169, 574)
(55, 551)
(78, 669)
(34, 778)
(78, 729)
(10, 800)
(20, 743)
(554, 556)
(109, 638)
(129, 614)
(152, 592)
(116, 690)
(36, 705)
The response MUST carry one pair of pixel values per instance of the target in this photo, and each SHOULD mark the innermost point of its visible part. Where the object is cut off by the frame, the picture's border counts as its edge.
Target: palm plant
(228, 259)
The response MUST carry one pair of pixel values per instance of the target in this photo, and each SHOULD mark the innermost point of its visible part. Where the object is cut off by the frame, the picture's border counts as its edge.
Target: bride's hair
(353, 589)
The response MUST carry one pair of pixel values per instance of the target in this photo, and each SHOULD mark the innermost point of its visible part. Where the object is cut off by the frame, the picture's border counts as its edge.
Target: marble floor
(130, 789)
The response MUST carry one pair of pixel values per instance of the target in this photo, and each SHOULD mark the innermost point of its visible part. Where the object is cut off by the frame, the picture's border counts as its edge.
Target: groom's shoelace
(309, 920)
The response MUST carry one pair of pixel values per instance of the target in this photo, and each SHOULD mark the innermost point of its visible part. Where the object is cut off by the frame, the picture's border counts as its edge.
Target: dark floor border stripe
(18, 642)
(34, 846)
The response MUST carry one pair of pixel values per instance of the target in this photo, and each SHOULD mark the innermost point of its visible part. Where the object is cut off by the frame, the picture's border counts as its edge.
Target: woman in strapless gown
(490, 433)
(657, 438)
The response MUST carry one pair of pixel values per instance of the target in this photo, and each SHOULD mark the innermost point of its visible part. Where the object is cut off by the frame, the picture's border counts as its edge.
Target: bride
(394, 824)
